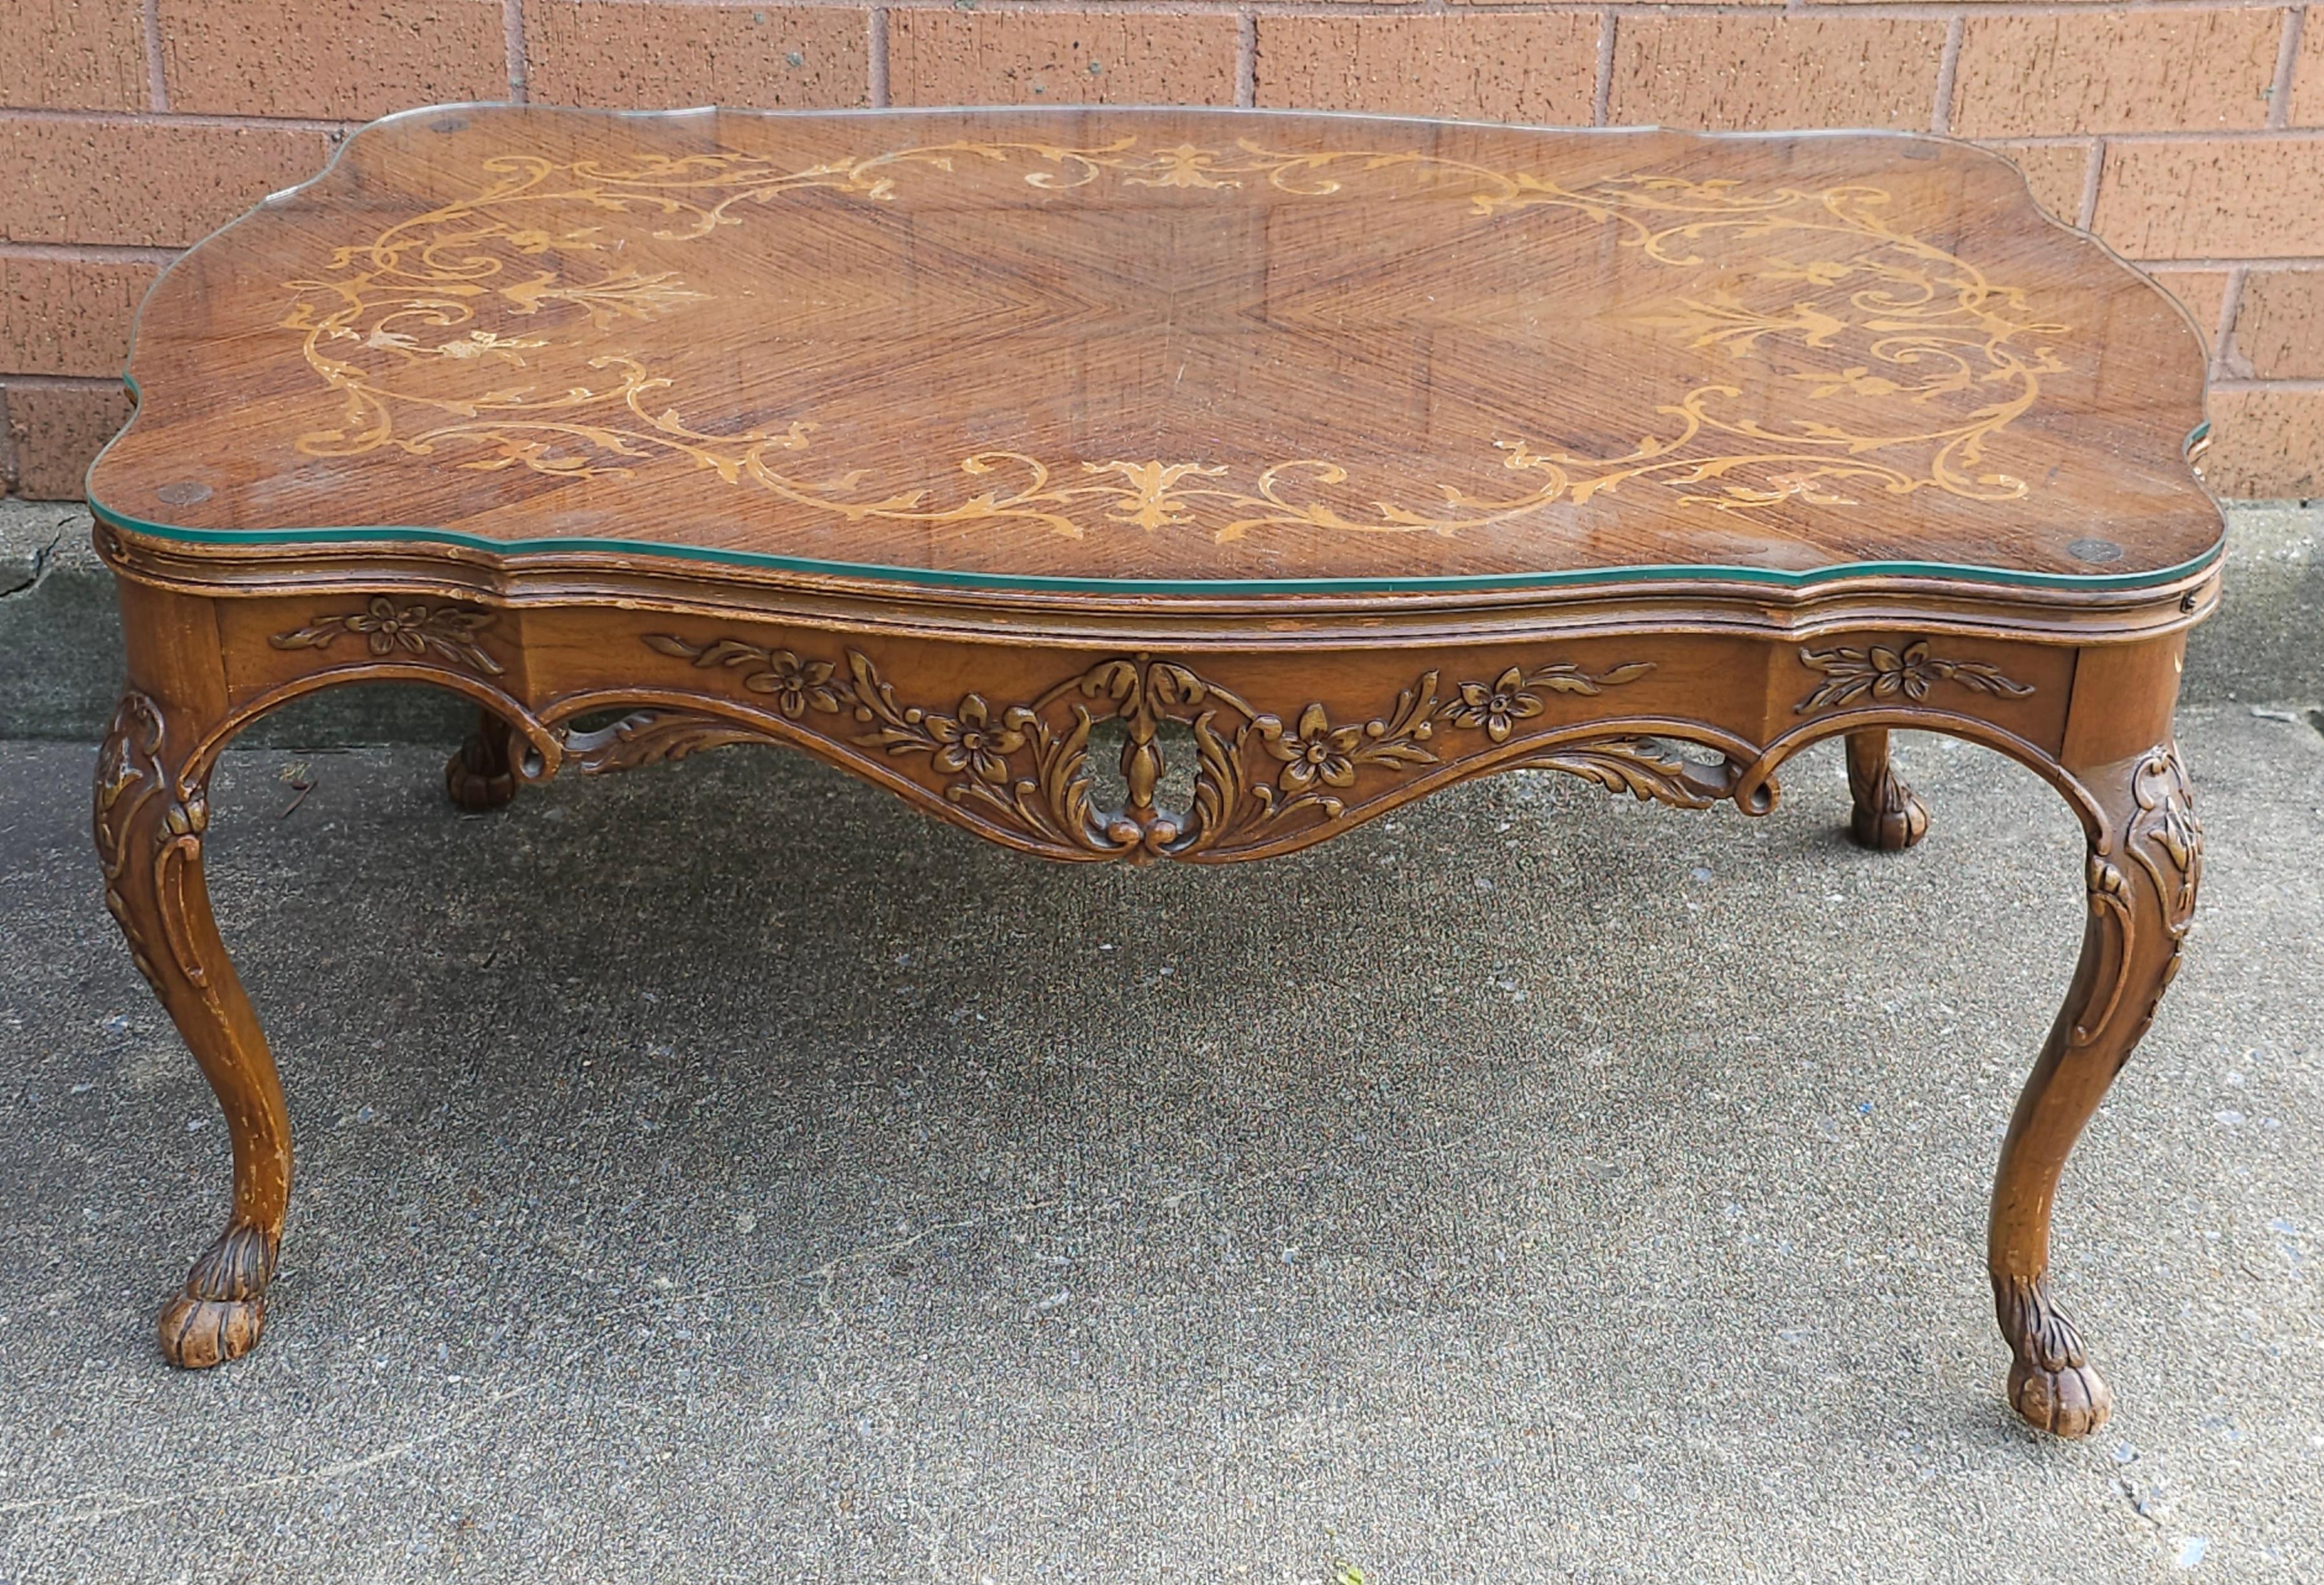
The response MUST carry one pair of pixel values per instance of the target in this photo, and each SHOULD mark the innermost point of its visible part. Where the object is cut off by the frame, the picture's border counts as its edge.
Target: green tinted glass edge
(1036, 582)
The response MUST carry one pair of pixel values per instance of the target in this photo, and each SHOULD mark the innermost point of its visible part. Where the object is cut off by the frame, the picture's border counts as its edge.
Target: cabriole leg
(152, 810)
(483, 775)
(1888, 815)
(2143, 871)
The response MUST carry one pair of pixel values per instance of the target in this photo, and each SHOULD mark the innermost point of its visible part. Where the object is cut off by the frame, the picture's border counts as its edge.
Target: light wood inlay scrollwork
(479, 288)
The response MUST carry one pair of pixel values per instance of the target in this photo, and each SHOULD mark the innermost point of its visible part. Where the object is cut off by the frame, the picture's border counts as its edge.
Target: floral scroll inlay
(1936, 359)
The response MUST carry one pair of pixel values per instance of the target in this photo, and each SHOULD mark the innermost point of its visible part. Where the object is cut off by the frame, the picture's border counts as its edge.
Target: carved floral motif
(797, 685)
(1879, 672)
(1026, 764)
(1499, 706)
(446, 632)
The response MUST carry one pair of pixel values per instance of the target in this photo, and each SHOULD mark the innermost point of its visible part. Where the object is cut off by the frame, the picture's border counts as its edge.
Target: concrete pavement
(722, 1172)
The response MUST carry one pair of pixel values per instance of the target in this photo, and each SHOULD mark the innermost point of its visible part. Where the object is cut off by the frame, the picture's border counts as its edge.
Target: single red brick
(2267, 445)
(346, 59)
(2279, 325)
(2055, 173)
(1735, 72)
(2251, 198)
(1500, 66)
(153, 183)
(1060, 57)
(619, 54)
(72, 55)
(68, 317)
(2138, 71)
(58, 431)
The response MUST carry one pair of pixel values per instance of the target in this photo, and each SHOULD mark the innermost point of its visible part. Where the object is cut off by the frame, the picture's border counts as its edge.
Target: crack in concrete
(43, 558)
(92, 1506)
(88, 1507)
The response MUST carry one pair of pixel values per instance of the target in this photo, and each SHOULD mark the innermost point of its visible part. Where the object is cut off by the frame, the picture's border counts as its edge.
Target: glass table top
(1170, 350)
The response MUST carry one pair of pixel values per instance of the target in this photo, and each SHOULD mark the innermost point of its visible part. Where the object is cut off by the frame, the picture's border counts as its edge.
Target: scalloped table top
(1169, 351)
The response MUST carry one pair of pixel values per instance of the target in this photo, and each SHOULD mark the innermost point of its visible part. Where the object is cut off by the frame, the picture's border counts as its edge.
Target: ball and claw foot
(1888, 817)
(219, 1315)
(481, 776)
(1893, 823)
(2051, 1385)
(2070, 1401)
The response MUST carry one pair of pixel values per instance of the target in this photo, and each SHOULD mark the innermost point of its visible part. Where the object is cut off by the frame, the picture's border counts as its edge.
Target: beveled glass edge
(1033, 582)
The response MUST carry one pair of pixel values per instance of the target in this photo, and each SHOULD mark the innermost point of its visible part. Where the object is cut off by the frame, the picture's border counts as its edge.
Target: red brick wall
(2189, 135)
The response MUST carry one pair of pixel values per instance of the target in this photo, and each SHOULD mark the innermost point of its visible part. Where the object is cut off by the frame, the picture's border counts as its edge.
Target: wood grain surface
(710, 428)
(1169, 348)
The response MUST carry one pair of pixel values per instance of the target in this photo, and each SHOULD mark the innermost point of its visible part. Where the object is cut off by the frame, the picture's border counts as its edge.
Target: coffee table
(1138, 485)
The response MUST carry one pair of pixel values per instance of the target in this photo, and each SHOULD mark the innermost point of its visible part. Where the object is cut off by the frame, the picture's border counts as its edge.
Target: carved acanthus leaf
(650, 737)
(2034, 1326)
(1644, 767)
(132, 772)
(2163, 853)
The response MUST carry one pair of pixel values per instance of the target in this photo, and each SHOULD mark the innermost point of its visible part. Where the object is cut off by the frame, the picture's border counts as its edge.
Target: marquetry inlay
(1171, 347)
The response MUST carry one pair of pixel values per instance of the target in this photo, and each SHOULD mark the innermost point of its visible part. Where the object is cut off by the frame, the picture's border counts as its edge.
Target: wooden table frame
(1875, 571)
(1294, 730)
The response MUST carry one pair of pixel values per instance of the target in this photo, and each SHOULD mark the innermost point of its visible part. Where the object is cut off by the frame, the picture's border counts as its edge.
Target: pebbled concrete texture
(722, 1172)
(60, 636)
